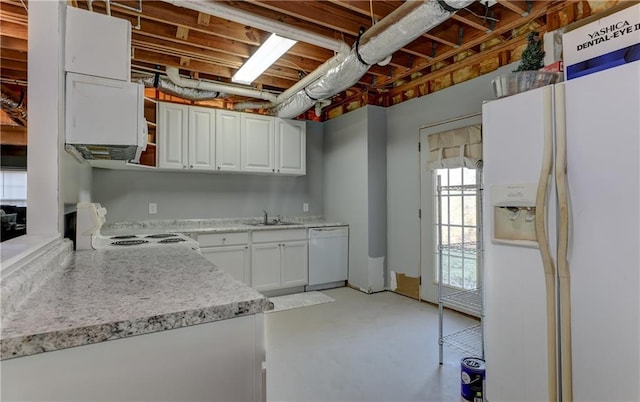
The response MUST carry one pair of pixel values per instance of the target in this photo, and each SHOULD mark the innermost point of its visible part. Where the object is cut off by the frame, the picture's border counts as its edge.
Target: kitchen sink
(273, 224)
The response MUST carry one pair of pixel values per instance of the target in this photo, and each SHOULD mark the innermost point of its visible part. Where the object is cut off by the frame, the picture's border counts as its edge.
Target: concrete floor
(378, 347)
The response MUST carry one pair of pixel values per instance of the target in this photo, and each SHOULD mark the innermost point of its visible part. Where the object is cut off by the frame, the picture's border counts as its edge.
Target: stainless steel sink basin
(273, 224)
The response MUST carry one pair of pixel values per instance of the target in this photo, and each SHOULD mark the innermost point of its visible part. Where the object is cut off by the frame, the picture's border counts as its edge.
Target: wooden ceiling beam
(507, 23)
(7, 42)
(18, 75)
(318, 13)
(469, 22)
(13, 65)
(13, 135)
(513, 6)
(10, 54)
(13, 30)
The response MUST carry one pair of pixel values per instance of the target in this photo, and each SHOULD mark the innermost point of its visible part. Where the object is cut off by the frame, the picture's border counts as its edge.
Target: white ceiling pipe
(312, 76)
(397, 29)
(174, 76)
(229, 13)
(252, 105)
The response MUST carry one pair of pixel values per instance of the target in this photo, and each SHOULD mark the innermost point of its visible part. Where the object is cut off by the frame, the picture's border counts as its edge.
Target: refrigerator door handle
(563, 245)
(543, 242)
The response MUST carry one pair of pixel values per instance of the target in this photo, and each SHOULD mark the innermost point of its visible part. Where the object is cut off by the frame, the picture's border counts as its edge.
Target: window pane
(470, 274)
(455, 177)
(455, 205)
(14, 188)
(469, 176)
(443, 173)
(470, 210)
(455, 235)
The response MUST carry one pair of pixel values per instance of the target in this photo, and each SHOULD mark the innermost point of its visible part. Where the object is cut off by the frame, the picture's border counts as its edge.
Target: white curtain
(450, 149)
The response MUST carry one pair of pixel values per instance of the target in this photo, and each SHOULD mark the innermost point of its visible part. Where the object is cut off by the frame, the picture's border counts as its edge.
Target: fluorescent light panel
(270, 51)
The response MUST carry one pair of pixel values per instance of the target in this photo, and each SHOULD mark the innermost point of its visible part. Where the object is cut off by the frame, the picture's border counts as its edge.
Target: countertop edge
(14, 347)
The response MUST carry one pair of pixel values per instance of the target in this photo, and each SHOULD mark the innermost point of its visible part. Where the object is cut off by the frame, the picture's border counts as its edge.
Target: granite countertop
(104, 295)
(203, 226)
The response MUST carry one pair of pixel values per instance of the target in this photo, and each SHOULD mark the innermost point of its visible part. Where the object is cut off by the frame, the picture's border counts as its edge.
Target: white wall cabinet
(279, 259)
(186, 137)
(291, 136)
(98, 45)
(199, 138)
(258, 143)
(228, 140)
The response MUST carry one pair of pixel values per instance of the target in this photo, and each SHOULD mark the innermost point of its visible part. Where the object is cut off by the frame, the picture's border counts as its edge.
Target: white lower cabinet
(231, 259)
(229, 252)
(279, 259)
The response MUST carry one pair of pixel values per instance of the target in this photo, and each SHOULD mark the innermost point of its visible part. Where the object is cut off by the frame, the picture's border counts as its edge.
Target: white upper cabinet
(201, 138)
(202, 146)
(173, 138)
(291, 136)
(97, 44)
(228, 140)
(258, 143)
(186, 137)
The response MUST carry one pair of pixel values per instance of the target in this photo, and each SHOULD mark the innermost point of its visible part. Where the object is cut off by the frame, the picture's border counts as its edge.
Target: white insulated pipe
(402, 26)
(174, 76)
(229, 13)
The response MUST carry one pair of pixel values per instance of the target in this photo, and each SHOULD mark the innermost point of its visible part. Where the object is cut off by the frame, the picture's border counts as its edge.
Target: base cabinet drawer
(223, 239)
(231, 259)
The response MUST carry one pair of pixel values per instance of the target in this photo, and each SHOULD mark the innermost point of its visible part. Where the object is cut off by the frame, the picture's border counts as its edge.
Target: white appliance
(568, 329)
(328, 257)
(90, 218)
(104, 118)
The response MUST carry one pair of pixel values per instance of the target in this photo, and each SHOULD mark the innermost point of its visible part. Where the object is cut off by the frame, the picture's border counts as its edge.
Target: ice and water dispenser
(514, 215)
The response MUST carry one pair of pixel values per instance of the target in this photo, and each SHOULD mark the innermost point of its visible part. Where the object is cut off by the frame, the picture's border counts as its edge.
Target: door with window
(452, 153)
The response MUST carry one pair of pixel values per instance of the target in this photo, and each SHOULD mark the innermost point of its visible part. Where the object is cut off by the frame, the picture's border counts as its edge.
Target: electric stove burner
(122, 237)
(172, 240)
(129, 242)
(160, 236)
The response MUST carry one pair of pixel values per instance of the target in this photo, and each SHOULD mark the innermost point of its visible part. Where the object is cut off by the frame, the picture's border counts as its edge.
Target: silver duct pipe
(15, 110)
(174, 76)
(393, 32)
(167, 86)
(229, 13)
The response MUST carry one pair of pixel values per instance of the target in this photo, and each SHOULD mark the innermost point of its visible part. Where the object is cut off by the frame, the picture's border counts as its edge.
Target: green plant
(533, 55)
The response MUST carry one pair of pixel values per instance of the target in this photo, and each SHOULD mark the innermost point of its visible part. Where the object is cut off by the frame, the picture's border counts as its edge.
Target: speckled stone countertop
(104, 295)
(201, 226)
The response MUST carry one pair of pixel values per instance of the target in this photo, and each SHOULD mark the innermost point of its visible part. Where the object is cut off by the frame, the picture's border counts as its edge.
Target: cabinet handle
(273, 170)
(224, 239)
(190, 166)
(218, 167)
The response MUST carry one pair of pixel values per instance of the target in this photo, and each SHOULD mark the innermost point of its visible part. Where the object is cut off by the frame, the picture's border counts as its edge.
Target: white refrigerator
(568, 331)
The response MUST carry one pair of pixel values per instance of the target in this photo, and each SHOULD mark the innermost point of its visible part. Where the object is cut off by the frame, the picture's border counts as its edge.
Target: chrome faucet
(266, 217)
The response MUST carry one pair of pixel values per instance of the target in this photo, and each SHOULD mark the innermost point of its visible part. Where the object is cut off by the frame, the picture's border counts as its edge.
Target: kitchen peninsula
(202, 332)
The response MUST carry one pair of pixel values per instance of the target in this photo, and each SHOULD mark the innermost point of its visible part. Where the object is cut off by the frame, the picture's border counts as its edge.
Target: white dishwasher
(328, 257)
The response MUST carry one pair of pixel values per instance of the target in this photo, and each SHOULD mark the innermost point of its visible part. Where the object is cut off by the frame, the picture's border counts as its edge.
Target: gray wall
(127, 194)
(403, 123)
(355, 190)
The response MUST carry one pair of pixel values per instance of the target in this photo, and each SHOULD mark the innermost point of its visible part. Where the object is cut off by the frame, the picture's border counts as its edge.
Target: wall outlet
(305, 207)
(153, 208)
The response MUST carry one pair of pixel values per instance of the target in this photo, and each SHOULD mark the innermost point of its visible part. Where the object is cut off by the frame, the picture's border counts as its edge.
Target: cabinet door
(172, 139)
(294, 264)
(228, 140)
(258, 143)
(202, 137)
(291, 146)
(231, 259)
(265, 266)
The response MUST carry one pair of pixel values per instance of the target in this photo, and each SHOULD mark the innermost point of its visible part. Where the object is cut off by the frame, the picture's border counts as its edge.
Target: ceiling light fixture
(270, 51)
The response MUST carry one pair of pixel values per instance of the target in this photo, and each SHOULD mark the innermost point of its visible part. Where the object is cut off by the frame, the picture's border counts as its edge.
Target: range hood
(104, 119)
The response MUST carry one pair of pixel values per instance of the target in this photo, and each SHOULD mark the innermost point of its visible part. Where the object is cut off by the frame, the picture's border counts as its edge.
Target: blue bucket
(472, 377)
